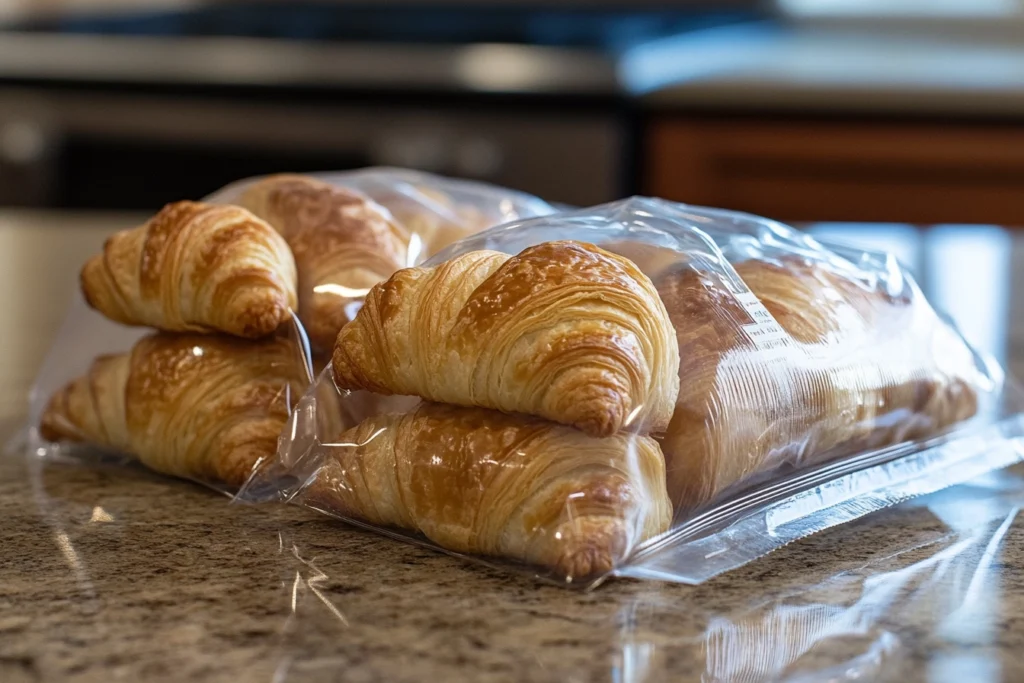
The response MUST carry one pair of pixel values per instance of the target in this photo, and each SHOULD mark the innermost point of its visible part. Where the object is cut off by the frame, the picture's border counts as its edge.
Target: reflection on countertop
(114, 573)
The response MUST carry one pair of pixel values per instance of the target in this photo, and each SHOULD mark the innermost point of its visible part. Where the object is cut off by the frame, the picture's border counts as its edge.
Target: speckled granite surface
(116, 574)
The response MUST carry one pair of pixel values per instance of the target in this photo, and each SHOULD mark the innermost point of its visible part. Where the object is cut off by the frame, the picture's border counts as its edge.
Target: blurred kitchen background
(804, 110)
(894, 123)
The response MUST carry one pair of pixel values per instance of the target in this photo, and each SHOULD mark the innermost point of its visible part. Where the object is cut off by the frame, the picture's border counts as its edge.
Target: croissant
(480, 481)
(848, 377)
(564, 331)
(195, 268)
(200, 407)
(343, 242)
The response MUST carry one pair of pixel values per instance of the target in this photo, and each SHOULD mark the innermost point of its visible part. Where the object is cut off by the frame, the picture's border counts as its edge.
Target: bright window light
(941, 8)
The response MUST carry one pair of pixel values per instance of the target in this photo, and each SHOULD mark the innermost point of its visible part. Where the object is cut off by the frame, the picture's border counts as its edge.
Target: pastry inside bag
(350, 230)
(238, 264)
(200, 407)
(787, 368)
(180, 352)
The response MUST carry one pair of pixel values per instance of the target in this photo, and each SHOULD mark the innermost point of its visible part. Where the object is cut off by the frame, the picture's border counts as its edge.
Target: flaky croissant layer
(195, 268)
(564, 331)
(344, 243)
(201, 407)
(480, 481)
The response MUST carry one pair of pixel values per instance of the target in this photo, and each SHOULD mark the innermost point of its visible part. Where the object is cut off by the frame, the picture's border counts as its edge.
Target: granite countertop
(114, 573)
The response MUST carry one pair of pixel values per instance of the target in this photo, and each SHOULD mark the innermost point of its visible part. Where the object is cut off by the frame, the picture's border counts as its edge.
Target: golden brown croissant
(195, 268)
(201, 407)
(480, 481)
(343, 242)
(564, 331)
(850, 376)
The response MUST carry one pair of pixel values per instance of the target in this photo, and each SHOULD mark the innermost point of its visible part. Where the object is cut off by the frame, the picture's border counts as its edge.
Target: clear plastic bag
(202, 407)
(435, 210)
(815, 385)
(177, 432)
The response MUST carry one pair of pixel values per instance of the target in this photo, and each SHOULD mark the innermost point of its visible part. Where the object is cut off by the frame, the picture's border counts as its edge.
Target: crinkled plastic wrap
(435, 210)
(699, 389)
(207, 406)
(350, 230)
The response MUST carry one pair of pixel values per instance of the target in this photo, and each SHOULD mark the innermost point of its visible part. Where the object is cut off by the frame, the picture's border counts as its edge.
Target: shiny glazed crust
(563, 331)
(195, 268)
(479, 481)
(200, 407)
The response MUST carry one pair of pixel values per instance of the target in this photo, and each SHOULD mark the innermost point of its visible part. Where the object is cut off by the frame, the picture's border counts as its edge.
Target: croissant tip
(591, 547)
(54, 424)
(264, 318)
(235, 467)
(86, 278)
(589, 559)
(346, 373)
(600, 420)
(48, 431)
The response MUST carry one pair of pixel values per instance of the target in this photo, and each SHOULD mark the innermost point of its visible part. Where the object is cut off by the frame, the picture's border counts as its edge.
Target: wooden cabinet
(821, 170)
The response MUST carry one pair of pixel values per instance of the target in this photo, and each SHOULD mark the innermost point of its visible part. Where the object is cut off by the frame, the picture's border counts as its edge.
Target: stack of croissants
(574, 397)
